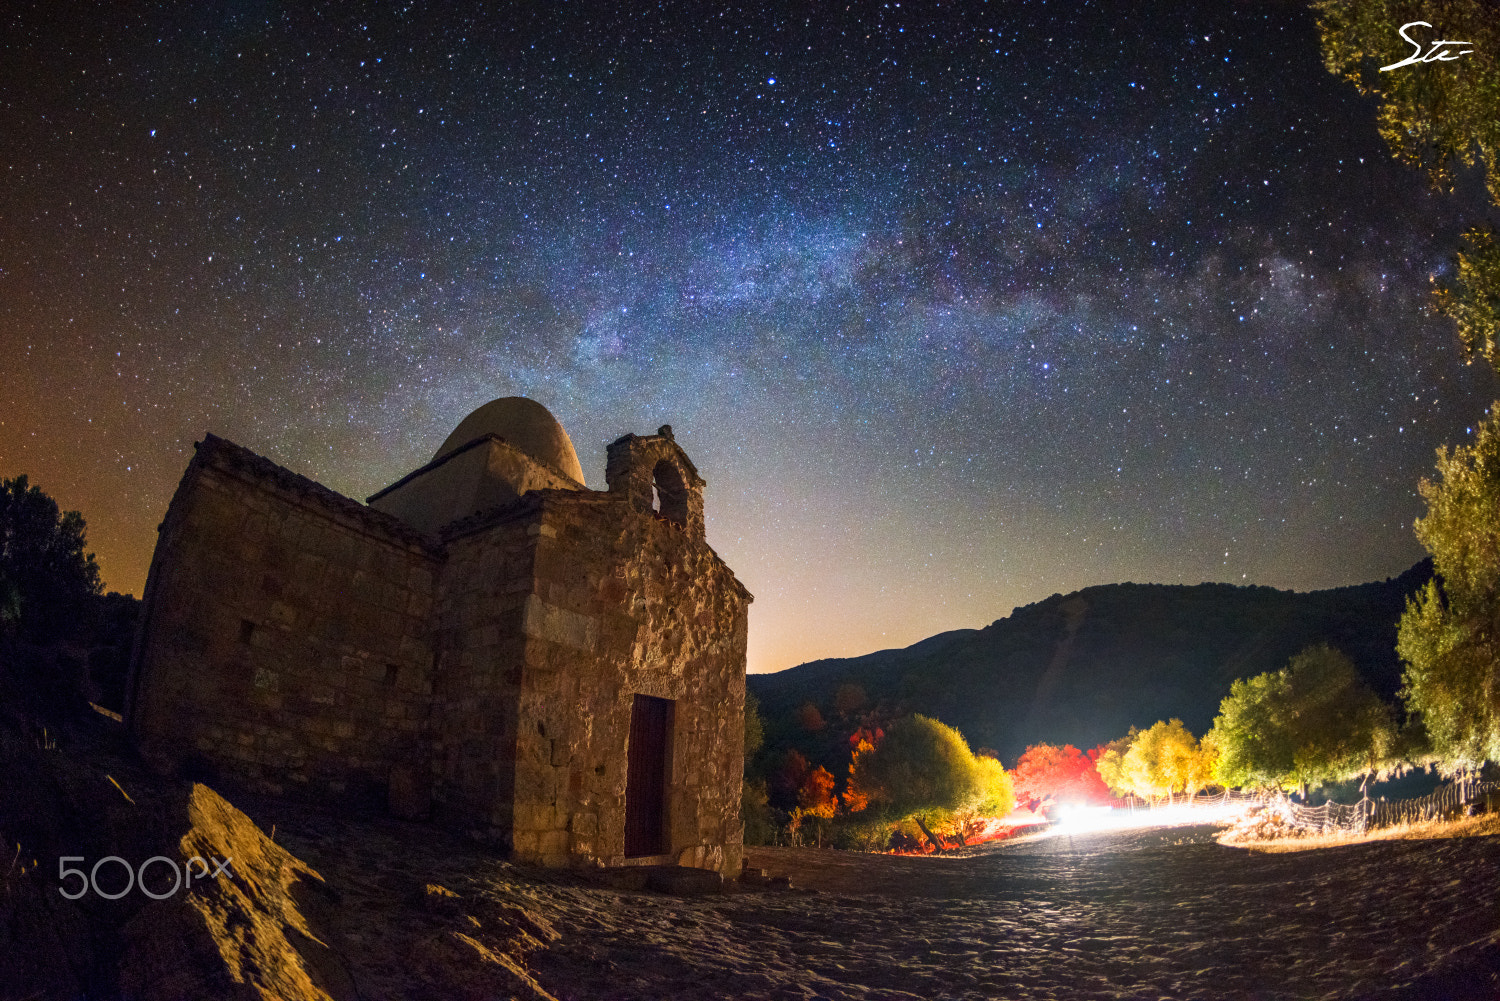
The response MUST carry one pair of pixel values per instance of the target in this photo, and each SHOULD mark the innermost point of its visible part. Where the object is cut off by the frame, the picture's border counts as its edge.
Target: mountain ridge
(1082, 668)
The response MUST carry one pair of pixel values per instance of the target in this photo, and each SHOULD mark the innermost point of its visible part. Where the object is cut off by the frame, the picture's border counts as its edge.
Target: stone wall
(284, 639)
(480, 602)
(627, 603)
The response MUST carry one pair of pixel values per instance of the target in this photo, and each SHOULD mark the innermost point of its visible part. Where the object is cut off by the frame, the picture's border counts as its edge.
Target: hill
(1083, 668)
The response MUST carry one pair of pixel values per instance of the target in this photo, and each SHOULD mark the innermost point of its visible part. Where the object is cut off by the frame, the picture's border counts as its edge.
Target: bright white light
(1075, 818)
(1079, 819)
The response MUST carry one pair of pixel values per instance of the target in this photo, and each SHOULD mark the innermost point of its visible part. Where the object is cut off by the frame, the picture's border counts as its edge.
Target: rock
(460, 966)
(264, 926)
(630, 877)
(753, 877)
(682, 881)
(45, 945)
(758, 879)
(238, 934)
(440, 901)
(524, 929)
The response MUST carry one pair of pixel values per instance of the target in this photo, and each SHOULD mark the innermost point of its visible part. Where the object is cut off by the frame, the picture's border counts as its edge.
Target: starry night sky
(953, 306)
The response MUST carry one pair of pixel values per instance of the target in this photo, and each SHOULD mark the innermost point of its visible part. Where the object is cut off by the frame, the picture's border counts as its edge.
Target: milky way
(954, 307)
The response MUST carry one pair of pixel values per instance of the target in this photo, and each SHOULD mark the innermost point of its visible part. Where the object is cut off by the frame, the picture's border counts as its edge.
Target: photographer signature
(1437, 53)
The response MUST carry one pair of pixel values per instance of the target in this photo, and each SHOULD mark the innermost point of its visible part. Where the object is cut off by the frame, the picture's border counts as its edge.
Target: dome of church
(523, 423)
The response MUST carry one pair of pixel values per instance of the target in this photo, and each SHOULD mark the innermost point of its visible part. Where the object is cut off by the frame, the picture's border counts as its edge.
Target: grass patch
(1484, 825)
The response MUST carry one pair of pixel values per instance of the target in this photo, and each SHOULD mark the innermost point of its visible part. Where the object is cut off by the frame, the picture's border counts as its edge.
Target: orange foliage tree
(862, 741)
(815, 799)
(1048, 774)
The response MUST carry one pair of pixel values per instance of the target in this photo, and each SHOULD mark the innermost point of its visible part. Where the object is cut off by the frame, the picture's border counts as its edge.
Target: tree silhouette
(47, 581)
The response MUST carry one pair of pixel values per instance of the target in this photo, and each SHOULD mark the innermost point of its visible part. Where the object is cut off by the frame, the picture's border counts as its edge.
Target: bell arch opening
(670, 492)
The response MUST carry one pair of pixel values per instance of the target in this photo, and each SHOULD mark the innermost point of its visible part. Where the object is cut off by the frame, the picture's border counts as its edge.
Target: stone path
(1156, 914)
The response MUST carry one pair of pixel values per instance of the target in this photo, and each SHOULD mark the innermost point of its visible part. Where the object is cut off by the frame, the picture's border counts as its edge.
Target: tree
(1471, 298)
(10, 605)
(1052, 774)
(996, 798)
(921, 770)
(1255, 740)
(815, 799)
(850, 698)
(1449, 636)
(755, 812)
(862, 741)
(1312, 721)
(755, 727)
(1432, 115)
(809, 718)
(1109, 762)
(47, 581)
(1164, 760)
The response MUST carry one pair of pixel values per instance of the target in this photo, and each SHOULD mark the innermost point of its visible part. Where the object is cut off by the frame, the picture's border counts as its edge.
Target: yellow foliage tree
(996, 798)
(1111, 763)
(1164, 760)
(922, 770)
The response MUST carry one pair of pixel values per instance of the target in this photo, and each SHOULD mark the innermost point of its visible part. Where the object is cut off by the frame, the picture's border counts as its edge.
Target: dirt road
(1155, 914)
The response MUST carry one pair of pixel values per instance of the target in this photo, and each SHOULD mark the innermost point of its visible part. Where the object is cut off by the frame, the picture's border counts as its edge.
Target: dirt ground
(1154, 913)
(401, 910)
(1163, 914)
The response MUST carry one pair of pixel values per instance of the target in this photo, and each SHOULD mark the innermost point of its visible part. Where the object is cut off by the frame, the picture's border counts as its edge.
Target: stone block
(545, 621)
(683, 881)
(532, 817)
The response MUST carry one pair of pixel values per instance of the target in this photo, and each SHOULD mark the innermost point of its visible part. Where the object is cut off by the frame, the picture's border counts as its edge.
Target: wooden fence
(1448, 801)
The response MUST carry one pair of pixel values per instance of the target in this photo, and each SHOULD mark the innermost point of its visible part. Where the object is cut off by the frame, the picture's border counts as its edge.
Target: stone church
(486, 642)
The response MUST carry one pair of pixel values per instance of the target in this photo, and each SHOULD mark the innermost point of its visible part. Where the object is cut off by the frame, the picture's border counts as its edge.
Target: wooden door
(649, 764)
